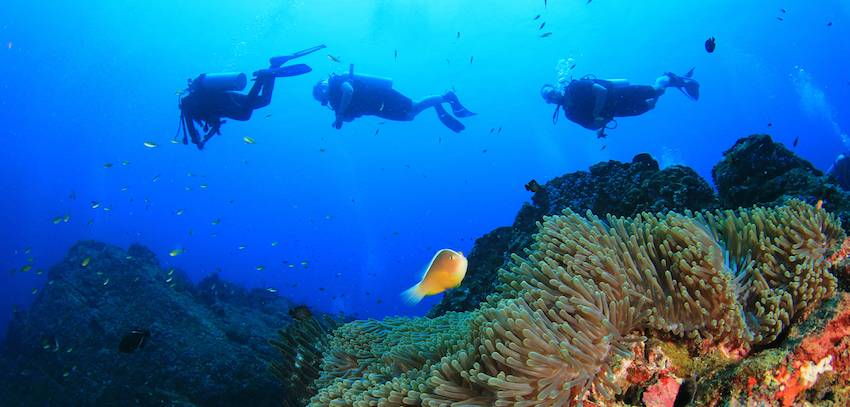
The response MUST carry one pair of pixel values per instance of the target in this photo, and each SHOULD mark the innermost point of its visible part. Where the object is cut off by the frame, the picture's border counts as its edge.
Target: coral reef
(301, 345)
(563, 326)
(207, 347)
(612, 187)
(759, 171)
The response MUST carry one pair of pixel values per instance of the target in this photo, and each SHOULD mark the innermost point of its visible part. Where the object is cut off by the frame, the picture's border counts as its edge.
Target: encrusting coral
(567, 313)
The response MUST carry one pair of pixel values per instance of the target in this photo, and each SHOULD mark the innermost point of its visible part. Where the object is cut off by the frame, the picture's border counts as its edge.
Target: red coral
(661, 394)
(834, 340)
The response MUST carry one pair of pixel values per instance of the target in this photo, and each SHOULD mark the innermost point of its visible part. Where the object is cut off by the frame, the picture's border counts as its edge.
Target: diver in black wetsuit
(593, 103)
(210, 97)
(354, 95)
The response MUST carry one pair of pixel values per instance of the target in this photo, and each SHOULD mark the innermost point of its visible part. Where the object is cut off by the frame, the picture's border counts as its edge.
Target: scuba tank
(220, 82)
(371, 80)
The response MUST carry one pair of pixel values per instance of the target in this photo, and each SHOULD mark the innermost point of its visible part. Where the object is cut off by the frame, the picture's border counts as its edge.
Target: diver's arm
(347, 92)
(601, 94)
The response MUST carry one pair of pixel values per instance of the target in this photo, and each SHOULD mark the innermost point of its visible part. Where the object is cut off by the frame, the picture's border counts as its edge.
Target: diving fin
(686, 84)
(457, 108)
(448, 120)
(289, 70)
(280, 60)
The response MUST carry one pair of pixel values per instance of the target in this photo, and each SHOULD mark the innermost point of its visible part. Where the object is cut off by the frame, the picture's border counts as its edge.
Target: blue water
(88, 83)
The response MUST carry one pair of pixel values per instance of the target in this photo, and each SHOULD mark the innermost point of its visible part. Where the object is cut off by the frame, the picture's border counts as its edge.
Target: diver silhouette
(593, 103)
(211, 97)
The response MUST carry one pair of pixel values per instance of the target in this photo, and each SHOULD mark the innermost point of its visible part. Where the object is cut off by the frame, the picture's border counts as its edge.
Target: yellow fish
(125, 162)
(335, 59)
(272, 289)
(86, 261)
(107, 165)
(57, 220)
(261, 268)
(176, 252)
(216, 222)
(274, 243)
(150, 144)
(249, 140)
(179, 92)
(26, 268)
(68, 216)
(203, 185)
(445, 271)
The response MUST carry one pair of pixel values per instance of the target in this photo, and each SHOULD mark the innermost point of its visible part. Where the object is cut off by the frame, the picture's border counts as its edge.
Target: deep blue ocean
(88, 83)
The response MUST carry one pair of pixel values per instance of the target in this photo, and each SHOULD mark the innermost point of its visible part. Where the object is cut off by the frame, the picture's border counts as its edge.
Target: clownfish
(445, 271)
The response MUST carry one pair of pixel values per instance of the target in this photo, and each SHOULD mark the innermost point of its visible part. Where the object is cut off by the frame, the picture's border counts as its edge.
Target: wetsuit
(627, 100)
(208, 107)
(368, 100)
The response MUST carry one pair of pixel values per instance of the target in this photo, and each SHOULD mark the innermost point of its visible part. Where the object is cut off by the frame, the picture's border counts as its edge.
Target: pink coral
(663, 393)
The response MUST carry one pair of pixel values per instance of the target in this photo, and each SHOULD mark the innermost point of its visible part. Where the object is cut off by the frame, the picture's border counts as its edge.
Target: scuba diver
(840, 169)
(353, 95)
(210, 97)
(593, 103)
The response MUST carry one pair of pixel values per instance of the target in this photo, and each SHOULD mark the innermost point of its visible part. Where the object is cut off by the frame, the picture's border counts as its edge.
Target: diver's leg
(661, 85)
(422, 104)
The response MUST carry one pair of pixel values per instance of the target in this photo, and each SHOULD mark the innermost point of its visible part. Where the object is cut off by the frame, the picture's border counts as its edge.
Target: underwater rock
(613, 187)
(208, 344)
(759, 171)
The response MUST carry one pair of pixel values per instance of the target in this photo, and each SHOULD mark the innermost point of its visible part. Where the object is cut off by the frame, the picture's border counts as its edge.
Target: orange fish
(820, 204)
(445, 271)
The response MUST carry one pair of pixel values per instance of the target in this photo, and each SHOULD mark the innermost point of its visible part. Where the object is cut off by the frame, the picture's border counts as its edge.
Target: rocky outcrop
(208, 344)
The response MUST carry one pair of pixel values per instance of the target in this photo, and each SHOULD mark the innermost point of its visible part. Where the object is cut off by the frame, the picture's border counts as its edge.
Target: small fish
(782, 10)
(546, 35)
(492, 129)
(68, 216)
(603, 147)
(274, 243)
(39, 271)
(73, 195)
(470, 60)
(27, 250)
(168, 280)
(124, 188)
(261, 268)
(796, 140)
(86, 261)
(214, 234)
(191, 175)
(538, 16)
(179, 92)
(106, 282)
(330, 216)
(175, 252)
(334, 59)
(321, 150)
(376, 131)
(31, 259)
(150, 144)
(125, 162)
(170, 272)
(447, 62)
(445, 271)
(90, 222)
(710, 44)
(249, 140)
(107, 165)
(571, 68)
(769, 124)
(188, 188)
(352, 200)
(26, 268)
(94, 204)
(500, 127)
(820, 204)
(203, 185)
(485, 150)
(242, 247)
(395, 56)
(271, 289)
(304, 262)
(268, 115)
(34, 290)
(57, 220)
(156, 177)
(178, 141)
(134, 340)
(830, 23)
(533, 186)
(301, 313)
(779, 18)
(542, 25)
